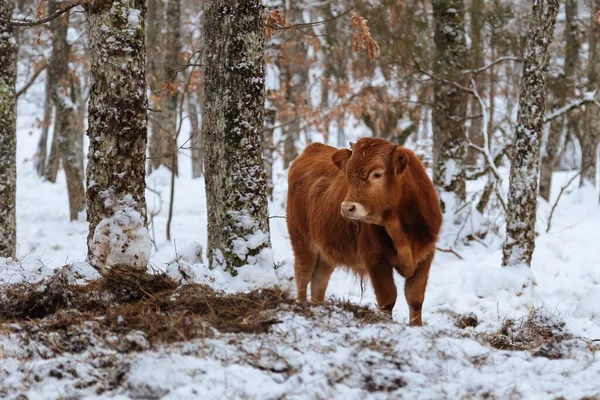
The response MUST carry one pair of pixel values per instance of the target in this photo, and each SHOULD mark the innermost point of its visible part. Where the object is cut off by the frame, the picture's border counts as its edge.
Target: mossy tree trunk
(523, 190)
(232, 125)
(449, 133)
(117, 120)
(8, 132)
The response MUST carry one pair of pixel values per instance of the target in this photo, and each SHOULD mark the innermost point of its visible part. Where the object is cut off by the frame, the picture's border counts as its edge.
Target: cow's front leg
(404, 252)
(382, 278)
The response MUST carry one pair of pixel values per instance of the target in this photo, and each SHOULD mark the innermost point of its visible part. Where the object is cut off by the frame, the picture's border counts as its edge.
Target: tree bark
(60, 30)
(232, 125)
(41, 153)
(449, 136)
(68, 134)
(475, 130)
(589, 142)
(522, 196)
(562, 89)
(8, 132)
(195, 139)
(154, 64)
(116, 205)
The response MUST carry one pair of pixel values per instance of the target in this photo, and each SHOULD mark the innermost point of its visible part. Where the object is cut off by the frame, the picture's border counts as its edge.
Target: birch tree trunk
(8, 132)
(562, 89)
(42, 150)
(68, 134)
(522, 196)
(232, 125)
(116, 206)
(591, 135)
(449, 139)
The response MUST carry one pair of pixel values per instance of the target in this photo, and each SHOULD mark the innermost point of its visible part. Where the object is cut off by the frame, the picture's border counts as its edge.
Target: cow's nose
(348, 208)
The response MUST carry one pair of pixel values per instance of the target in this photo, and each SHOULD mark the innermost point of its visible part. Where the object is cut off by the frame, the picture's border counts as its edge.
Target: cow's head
(373, 170)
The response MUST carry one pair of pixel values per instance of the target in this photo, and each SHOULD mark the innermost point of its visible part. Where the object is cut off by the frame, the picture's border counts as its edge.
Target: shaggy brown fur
(400, 219)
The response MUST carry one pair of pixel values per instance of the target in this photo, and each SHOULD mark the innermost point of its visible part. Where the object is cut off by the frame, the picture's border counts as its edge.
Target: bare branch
(562, 189)
(477, 71)
(35, 75)
(49, 18)
(590, 97)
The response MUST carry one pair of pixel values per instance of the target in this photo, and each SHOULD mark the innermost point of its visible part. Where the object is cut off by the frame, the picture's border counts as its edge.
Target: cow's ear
(341, 157)
(400, 159)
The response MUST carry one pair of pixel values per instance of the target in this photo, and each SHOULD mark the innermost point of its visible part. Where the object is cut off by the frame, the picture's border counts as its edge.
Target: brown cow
(390, 219)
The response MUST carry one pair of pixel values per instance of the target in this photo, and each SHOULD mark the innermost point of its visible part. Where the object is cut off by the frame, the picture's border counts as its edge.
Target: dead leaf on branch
(362, 37)
(274, 21)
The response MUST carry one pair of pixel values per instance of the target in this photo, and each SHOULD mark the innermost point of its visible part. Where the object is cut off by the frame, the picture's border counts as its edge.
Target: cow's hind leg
(414, 290)
(304, 266)
(320, 280)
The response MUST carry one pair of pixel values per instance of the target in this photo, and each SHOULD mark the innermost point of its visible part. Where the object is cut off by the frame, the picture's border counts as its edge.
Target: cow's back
(316, 189)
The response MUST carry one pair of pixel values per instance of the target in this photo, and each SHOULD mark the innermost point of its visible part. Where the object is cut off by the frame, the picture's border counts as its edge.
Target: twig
(32, 80)
(449, 251)
(49, 18)
(562, 189)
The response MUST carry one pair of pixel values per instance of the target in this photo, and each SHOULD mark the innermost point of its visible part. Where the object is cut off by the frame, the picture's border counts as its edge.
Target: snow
(332, 355)
(121, 239)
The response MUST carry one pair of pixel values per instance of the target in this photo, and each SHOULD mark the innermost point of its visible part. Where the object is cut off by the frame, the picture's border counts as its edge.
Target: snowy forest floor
(69, 334)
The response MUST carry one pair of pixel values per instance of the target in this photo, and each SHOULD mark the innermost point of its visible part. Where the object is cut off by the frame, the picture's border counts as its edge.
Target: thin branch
(49, 18)
(588, 98)
(32, 80)
(477, 71)
(562, 189)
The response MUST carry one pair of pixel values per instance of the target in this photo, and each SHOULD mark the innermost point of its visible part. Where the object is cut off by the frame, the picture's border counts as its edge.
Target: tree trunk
(8, 132)
(589, 142)
(116, 205)
(449, 142)
(475, 130)
(40, 155)
(195, 139)
(232, 125)
(522, 196)
(270, 118)
(562, 89)
(154, 65)
(168, 117)
(60, 30)
(68, 134)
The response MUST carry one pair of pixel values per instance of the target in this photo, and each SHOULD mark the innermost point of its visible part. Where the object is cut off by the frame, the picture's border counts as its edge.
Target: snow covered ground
(332, 355)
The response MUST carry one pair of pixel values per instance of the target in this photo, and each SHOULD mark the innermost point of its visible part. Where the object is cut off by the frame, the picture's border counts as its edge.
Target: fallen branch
(449, 251)
(562, 189)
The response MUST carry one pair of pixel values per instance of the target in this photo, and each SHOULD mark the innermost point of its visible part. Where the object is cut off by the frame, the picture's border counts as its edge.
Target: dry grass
(125, 301)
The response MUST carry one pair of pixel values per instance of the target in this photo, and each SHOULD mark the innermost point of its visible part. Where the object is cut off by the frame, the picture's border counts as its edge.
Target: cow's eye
(376, 175)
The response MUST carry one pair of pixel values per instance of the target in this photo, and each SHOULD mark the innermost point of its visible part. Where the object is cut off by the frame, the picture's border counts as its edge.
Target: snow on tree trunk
(68, 133)
(449, 138)
(591, 135)
(522, 196)
(116, 206)
(232, 125)
(562, 89)
(8, 134)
